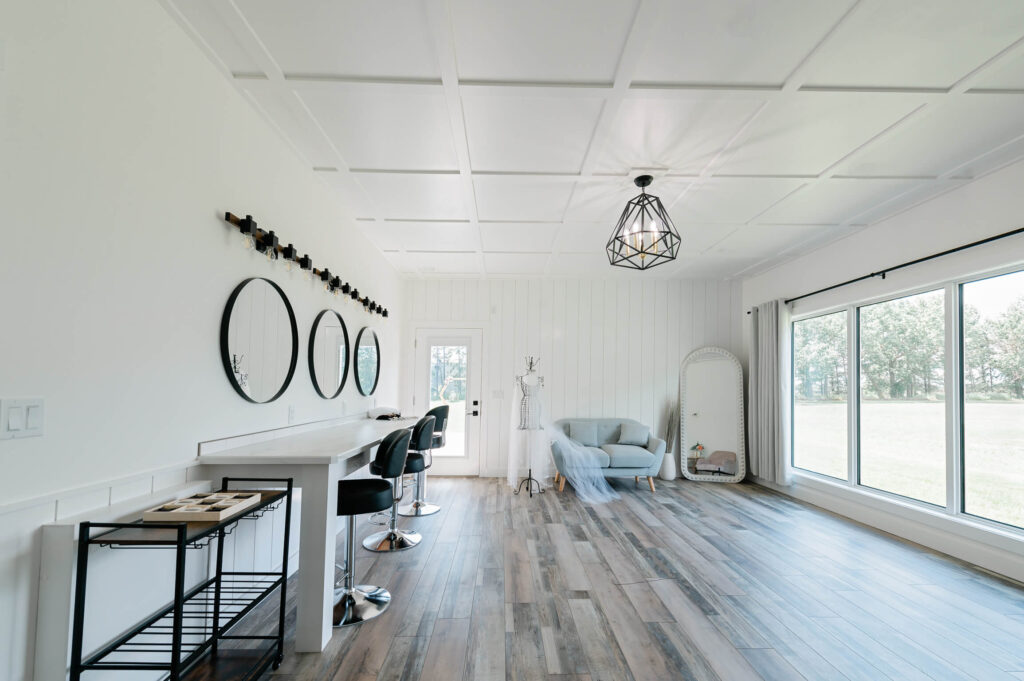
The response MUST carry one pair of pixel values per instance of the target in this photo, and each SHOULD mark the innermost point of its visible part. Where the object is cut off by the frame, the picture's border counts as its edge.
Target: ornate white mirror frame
(741, 449)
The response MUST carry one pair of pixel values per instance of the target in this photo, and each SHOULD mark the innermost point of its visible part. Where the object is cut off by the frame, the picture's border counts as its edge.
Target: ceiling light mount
(644, 237)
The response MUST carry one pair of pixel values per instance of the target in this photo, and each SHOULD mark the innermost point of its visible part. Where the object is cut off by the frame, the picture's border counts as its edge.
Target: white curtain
(769, 412)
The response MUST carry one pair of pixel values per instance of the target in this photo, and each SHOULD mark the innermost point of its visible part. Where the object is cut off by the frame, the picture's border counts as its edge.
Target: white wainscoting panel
(607, 347)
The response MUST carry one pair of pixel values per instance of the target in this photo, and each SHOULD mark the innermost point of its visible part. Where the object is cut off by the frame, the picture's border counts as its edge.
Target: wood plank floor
(695, 581)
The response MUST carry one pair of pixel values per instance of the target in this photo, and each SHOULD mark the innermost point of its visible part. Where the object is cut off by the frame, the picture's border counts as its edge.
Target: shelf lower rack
(207, 616)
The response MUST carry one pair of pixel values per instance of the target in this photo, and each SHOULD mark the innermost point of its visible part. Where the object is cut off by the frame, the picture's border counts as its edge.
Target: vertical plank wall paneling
(607, 347)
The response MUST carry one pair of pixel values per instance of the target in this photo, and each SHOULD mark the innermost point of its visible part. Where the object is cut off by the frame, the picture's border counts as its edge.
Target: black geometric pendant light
(644, 236)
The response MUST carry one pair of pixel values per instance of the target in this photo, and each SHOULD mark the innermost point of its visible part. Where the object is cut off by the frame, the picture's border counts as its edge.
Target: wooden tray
(203, 507)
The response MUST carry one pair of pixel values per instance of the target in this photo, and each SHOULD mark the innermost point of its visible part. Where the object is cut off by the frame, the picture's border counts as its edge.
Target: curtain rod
(882, 273)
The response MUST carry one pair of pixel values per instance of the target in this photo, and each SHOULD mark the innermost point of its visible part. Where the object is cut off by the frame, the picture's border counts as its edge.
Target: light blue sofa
(617, 461)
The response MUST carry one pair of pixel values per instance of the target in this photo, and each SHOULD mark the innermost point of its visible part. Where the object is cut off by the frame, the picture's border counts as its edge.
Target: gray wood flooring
(695, 581)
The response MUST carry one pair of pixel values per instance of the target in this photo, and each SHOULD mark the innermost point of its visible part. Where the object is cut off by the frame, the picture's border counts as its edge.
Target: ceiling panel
(516, 263)
(521, 199)
(511, 236)
(805, 135)
(583, 237)
(582, 265)
(345, 37)
(967, 128)
(407, 131)
(1008, 75)
(539, 134)
(765, 241)
(415, 196)
(836, 200)
(735, 41)
(220, 34)
(731, 200)
(681, 134)
(603, 200)
(916, 43)
(539, 41)
(696, 238)
(424, 236)
(446, 263)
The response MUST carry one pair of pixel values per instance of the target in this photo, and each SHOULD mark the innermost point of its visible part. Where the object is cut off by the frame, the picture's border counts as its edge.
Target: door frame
(471, 463)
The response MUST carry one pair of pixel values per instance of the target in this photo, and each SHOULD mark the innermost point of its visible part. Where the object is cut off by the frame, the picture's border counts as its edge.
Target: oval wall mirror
(259, 341)
(367, 364)
(328, 354)
(711, 423)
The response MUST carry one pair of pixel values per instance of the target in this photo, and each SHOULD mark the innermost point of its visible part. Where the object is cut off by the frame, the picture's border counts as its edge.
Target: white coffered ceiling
(492, 137)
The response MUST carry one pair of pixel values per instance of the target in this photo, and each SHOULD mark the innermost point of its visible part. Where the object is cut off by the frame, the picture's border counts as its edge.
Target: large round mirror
(328, 354)
(367, 361)
(259, 341)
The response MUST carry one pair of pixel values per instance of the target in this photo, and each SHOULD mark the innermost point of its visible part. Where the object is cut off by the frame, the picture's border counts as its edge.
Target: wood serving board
(203, 507)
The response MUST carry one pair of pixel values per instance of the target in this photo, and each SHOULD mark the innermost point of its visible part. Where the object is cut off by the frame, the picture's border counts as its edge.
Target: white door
(448, 372)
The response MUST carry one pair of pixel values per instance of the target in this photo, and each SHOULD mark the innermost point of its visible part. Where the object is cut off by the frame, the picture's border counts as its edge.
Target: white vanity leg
(317, 537)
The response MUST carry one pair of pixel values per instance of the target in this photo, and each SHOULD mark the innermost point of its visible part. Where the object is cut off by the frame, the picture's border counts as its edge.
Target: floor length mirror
(259, 341)
(711, 423)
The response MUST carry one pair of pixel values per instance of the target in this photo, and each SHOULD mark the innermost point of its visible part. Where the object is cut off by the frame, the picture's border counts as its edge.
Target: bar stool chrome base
(417, 509)
(359, 604)
(392, 540)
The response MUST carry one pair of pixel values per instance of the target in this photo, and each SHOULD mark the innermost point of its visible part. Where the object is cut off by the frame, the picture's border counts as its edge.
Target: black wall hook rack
(267, 241)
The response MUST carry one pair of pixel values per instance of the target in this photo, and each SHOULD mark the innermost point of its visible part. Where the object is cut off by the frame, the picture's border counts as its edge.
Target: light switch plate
(19, 418)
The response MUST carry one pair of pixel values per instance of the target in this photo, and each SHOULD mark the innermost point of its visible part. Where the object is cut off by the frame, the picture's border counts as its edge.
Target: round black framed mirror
(328, 354)
(259, 340)
(367, 364)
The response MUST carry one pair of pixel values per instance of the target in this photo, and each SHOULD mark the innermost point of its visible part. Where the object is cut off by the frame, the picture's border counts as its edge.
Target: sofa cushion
(607, 433)
(602, 456)
(634, 434)
(584, 432)
(628, 456)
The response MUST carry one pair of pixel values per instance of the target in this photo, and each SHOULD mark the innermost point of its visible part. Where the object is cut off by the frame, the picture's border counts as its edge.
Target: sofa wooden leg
(636, 479)
(650, 481)
(561, 483)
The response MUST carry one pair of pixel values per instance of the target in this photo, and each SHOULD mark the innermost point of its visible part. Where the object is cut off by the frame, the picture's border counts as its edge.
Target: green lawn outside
(903, 451)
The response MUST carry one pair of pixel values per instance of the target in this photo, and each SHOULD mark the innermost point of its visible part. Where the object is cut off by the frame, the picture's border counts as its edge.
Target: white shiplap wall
(607, 347)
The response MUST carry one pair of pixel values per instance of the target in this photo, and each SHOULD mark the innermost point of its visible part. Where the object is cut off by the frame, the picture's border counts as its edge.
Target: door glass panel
(448, 370)
(993, 343)
(902, 403)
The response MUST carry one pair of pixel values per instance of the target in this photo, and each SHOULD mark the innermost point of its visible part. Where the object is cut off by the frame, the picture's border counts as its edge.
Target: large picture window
(902, 408)
(993, 398)
(820, 394)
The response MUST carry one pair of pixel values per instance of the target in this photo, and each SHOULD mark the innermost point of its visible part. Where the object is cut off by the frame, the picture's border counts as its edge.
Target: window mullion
(852, 397)
(954, 402)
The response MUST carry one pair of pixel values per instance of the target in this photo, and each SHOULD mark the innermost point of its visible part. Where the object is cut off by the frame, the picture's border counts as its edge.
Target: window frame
(953, 384)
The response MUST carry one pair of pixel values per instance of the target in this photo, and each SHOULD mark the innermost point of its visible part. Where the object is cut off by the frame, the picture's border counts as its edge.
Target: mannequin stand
(530, 481)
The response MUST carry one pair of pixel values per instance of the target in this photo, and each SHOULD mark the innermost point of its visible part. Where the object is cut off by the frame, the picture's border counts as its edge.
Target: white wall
(121, 147)
(607, 347)
(990, 205)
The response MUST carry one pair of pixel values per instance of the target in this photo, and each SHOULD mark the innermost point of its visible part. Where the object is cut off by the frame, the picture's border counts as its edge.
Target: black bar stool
(421, 443)
(394, 539)
(355, 604)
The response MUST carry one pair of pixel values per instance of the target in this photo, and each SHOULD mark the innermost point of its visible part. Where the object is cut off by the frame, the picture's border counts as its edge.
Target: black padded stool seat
(356, 497)
(415, 463)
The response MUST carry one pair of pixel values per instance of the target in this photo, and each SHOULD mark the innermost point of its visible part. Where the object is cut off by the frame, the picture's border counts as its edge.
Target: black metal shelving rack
(184, 638)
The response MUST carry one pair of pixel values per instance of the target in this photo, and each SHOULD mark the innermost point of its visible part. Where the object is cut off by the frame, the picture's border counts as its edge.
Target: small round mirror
(259, 341)
(328, 354)
(367, 361)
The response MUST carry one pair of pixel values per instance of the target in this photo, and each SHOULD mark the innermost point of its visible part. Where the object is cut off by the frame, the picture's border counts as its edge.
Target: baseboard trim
(992, 549)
